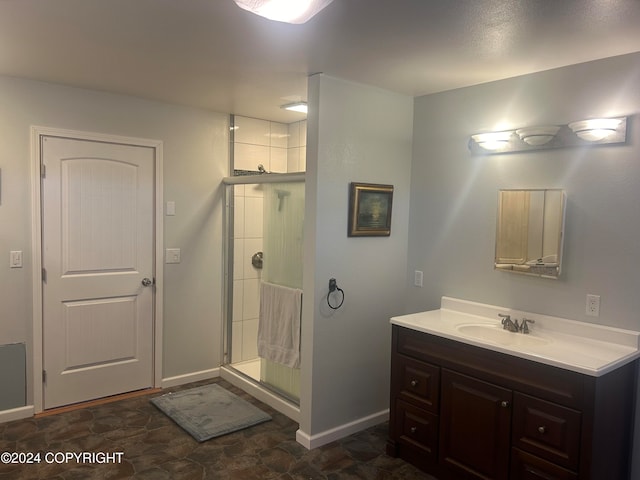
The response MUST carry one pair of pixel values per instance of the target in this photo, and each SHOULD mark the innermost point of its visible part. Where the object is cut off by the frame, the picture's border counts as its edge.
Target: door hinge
(44, 376)
(44, 275)
(43, 170)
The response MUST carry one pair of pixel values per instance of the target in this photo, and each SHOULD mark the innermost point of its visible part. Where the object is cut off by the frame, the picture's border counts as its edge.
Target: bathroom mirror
(529, 233)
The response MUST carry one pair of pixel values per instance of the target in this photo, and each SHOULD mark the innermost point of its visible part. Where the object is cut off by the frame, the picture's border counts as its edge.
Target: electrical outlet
(418, 278)
(593, 305)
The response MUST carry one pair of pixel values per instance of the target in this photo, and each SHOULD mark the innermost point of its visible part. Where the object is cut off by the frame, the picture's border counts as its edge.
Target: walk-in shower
(264, 244)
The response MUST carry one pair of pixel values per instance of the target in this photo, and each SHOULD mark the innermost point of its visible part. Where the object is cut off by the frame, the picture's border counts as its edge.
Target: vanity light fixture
(287, 11)
(596, 129)
(583, 133)
(300, 107)
(537, 135)
(492, 140)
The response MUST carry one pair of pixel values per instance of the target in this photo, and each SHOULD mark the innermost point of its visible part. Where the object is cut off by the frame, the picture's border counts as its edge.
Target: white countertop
(577, 346)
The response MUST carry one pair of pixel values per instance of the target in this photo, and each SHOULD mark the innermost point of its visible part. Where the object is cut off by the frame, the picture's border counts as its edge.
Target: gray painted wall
(195, 160)
(362, 134)
(454, 195)
(13, 381)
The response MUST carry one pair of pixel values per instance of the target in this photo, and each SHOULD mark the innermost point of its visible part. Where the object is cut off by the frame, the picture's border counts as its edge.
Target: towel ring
(333, 286)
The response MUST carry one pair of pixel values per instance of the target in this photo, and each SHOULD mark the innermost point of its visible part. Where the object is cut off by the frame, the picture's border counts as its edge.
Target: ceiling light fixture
(288, 11)
(595, 129)
(492, 140)
(536, 136)
(300, 107)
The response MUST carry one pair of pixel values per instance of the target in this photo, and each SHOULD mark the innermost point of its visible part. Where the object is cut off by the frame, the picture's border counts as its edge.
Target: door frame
(35, 388)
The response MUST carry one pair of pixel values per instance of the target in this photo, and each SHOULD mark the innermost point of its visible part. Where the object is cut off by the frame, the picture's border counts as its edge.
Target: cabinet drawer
(547, 430)
(417, 432)
(528, 467)
(418, 382)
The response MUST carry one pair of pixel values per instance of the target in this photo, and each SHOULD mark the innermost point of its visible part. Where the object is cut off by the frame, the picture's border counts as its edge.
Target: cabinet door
(475, 420)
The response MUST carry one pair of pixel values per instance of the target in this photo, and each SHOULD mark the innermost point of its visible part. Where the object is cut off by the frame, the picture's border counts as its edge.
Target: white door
(98, 239)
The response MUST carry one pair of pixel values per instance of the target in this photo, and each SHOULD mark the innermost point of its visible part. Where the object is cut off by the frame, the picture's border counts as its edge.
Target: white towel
(279, 324)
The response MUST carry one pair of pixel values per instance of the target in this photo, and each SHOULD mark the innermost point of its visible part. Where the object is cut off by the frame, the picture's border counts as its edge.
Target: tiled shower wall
(280, 148)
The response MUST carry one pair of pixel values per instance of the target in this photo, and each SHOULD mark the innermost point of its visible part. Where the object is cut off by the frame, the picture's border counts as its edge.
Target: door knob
(146, 282)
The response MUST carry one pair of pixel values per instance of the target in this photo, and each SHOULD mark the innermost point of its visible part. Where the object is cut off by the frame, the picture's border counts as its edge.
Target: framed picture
(370, 209)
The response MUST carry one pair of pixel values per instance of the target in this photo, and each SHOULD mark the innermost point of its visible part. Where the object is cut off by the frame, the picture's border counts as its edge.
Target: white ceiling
(212, 54)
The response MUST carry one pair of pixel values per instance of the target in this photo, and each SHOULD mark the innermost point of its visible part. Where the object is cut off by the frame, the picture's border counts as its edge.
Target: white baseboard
(29, 411)
(190, 377)
(17, 413)
(328, 436)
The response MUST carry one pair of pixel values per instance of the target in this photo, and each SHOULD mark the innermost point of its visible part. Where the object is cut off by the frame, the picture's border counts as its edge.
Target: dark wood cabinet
(475, 427)
(463, 412)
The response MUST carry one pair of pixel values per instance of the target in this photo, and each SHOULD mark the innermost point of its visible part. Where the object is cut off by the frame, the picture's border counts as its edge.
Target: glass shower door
(283, 265)
(264, 218)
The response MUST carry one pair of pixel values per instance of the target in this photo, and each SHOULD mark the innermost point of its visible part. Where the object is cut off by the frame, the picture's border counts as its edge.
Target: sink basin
(495, 334)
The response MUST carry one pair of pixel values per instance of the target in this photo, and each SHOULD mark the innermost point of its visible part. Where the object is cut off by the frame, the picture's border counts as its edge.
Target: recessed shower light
(300, 107)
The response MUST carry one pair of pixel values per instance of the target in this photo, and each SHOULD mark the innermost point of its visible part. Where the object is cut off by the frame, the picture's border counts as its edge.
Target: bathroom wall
(12, 376)
(454, 194)
(195, 160)
(356, 133)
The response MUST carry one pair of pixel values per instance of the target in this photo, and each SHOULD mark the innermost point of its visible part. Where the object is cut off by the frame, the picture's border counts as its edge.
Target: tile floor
(154, 447)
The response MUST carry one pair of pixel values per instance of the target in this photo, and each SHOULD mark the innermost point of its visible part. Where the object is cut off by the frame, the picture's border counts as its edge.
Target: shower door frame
(228, 246)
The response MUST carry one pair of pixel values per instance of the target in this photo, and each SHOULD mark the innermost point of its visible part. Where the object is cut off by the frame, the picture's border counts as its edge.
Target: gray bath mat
(209, 411)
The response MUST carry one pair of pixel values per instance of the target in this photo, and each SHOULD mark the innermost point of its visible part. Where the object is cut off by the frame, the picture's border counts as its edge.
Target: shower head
(282, 194)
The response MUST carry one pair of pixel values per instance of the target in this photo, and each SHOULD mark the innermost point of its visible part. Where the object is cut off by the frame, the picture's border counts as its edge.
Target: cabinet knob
(413, 429)
(542, 429)
(504, 404)
(414, 383)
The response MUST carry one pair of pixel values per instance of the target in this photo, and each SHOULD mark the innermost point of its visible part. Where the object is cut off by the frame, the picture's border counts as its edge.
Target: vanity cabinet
(464, 412)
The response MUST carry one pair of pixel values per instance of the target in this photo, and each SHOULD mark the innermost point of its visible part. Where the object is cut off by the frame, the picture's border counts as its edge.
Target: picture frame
(370, 207)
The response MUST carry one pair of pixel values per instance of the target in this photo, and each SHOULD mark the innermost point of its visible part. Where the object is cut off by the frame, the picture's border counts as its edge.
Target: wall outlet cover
(593, 305)
(172, 255)
(15, 259)
(418, 278)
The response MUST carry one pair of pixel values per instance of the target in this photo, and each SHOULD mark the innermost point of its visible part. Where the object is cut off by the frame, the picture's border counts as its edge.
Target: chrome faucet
(508, 324)
(524, 328)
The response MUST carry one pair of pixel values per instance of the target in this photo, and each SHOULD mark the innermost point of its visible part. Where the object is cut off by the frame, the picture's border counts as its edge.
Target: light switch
(15, 259)
(171, 208)
(172, 255)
